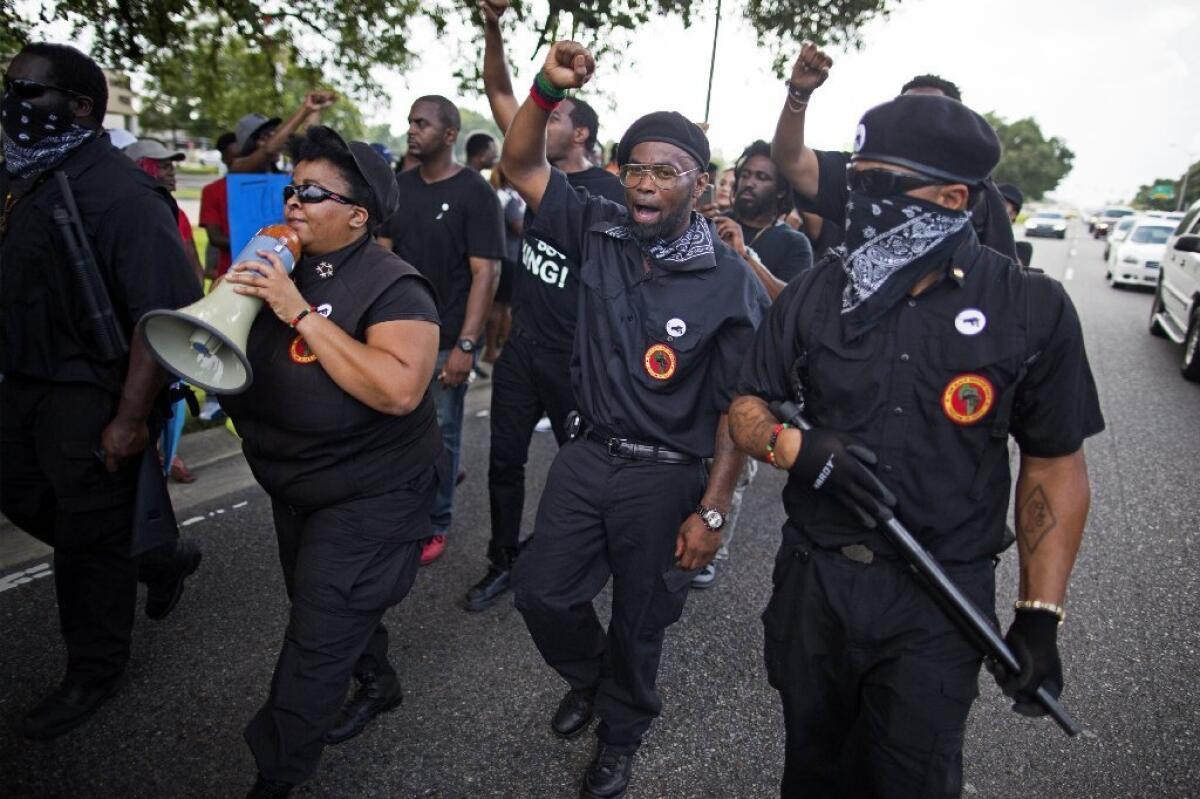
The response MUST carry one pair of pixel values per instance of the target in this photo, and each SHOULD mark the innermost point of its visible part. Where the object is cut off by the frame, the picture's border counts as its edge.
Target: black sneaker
(485, 592)
(163, 593)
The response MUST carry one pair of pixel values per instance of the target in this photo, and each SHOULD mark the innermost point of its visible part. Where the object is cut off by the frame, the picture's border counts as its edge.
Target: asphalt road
(478, 697)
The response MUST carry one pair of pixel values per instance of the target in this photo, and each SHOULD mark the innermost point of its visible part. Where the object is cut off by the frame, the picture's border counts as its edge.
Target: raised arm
(262, 158)
(791, 155)
(568, 66)
(496, 80)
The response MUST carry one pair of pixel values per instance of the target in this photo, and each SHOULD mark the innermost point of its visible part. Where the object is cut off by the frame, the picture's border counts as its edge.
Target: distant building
(121, 111)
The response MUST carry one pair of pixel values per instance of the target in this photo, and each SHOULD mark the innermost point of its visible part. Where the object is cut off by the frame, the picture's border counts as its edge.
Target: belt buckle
(858, 553)
(614, 447)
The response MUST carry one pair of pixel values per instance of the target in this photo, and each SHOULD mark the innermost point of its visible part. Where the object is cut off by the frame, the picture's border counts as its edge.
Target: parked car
(1119, 233)
(1135, 261)
(1046, 223)
(1109, 217)
(1175, 313)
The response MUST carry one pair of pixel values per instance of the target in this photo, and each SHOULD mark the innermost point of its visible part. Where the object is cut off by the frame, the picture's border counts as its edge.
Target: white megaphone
(205, 343)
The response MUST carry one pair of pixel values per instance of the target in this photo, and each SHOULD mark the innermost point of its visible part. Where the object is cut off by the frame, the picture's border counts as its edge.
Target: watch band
(702, 511)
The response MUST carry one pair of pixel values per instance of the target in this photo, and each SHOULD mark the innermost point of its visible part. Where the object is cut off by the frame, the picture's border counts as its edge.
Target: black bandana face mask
(884, 236)
(36, 139)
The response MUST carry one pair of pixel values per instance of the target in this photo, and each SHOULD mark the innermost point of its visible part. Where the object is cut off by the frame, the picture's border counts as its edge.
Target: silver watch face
(714, 519)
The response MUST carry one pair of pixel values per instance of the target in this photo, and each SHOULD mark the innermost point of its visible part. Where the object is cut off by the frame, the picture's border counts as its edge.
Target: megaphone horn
(205, 342)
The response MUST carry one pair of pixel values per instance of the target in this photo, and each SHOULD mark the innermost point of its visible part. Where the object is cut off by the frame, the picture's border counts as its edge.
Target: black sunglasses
(312, 193)
(885, 183)
(31, 89)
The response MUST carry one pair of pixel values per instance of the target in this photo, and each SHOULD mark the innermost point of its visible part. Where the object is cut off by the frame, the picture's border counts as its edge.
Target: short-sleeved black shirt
(546, 291)
(989, 216)
(925, 388)
(785, 252)
(438, 228)
(130, 223)
(657, 349)
(308, 442)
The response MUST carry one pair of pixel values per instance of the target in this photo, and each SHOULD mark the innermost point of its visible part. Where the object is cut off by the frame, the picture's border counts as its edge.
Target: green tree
(348, 38)
(1191, 192)
(1030, 161)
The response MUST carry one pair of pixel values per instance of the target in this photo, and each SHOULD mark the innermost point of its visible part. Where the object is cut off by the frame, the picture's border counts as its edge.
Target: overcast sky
(1118, 81)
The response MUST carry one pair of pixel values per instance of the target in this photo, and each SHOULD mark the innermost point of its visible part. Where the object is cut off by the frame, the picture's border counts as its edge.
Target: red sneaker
(433, 549)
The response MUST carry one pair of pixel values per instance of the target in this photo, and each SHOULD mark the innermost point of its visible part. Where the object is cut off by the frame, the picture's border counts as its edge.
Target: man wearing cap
(913, 351)
(817, 176)
(665, 316)
(261, 140)
(158, 161)
(74, 420)
(352, 468)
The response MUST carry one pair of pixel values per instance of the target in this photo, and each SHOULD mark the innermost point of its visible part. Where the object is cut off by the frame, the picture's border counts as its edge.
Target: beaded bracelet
(779, 428)
(1047, 607)
(292, 324)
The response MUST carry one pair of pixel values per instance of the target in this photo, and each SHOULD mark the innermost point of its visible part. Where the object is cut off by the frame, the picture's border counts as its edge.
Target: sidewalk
(215, 458)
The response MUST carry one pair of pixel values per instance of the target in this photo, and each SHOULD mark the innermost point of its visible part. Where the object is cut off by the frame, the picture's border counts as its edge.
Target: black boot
(608, 774)
(163, 592)
(485, 592)
(372, 698)
(269, 789)
(574, 712)
(67, 706)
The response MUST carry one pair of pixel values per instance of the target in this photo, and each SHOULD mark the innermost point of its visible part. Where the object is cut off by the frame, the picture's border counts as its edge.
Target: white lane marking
(39, 570)
(1072, 252)
(1069, 274)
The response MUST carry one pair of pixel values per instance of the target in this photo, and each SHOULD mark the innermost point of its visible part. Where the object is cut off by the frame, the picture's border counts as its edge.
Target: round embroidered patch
(968, 398)
(300, 352)
(660, 362)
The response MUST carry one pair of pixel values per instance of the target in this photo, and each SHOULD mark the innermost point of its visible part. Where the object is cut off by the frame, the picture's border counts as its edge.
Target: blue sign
(255, 200)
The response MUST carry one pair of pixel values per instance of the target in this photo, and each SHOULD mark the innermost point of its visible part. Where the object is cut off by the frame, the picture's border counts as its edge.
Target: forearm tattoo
(1035, 521)
(750, 426)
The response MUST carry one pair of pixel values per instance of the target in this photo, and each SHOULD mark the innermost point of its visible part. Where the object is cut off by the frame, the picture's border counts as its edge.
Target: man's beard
(746, 208)
(664, 227)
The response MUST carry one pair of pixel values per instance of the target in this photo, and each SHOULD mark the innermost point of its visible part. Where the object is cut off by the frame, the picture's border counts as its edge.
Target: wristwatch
(466, 345)
(713, 519)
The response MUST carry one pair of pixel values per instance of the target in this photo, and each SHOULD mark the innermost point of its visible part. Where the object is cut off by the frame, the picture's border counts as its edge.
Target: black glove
(1033, 639)
(827, 463)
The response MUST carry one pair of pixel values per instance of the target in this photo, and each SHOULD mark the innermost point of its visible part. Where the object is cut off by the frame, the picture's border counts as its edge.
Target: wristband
(544, 94)
(779, 428)
(292, 324)
(1045, 607)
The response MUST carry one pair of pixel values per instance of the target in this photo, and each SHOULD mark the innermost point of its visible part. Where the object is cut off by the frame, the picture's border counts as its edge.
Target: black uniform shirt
(130, 222)
(546, 292)
(438, 228)
(656, 351)
(927, 389)
(785, 252)
(308, 442)
(989, 216)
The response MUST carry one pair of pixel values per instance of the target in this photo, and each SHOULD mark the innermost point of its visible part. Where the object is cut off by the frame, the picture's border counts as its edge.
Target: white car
(1176, 310)
(1135, 261)
(1046, 223)
(1119, 234)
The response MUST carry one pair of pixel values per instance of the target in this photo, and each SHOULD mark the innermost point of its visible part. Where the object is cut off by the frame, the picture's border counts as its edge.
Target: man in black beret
(914, 352)
(1013, 200)
(666, 314)
(816, 175)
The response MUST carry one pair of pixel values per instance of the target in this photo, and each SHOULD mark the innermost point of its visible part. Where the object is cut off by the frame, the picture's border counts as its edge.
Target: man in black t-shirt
(532, 376)
(818, 177)
(450, 227)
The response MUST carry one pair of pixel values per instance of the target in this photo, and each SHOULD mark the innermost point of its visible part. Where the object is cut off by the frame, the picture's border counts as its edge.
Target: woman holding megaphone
(338, 428)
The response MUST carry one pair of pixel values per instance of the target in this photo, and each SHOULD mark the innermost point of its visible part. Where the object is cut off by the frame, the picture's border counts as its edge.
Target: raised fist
(493, 9)
(811, 68)
(319, 101)
(568, 65)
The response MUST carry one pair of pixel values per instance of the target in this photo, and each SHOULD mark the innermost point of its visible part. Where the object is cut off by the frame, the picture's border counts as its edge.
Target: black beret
(935, 136)
(670, 127)
(1011, 193)
(378, 174)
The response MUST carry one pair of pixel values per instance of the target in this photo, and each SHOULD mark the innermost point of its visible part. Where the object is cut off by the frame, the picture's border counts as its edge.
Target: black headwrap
(670, 127)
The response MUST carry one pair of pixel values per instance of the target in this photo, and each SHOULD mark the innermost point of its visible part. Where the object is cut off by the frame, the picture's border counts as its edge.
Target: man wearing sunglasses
(665, 315)
(74, 423)
(816, 175)
(913, 351)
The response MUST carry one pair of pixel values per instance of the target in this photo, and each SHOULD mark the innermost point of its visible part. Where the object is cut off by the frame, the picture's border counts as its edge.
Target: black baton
(950, 599)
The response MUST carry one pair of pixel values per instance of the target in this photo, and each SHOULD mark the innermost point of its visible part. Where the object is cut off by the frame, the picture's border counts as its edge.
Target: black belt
(624, 448)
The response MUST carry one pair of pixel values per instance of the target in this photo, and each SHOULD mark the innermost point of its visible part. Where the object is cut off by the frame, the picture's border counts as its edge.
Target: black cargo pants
(604, 516)
(875, 680)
